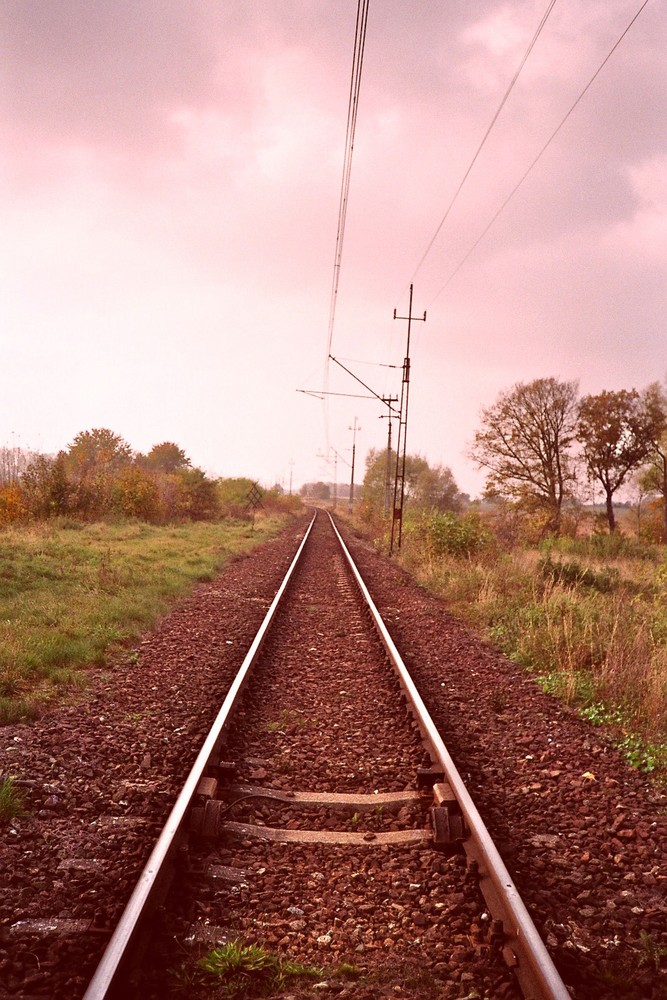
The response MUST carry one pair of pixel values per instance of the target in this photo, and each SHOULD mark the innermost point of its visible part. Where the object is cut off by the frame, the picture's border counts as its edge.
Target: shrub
(572, 574)
(135, 494)
(11, 504)
(453, 534)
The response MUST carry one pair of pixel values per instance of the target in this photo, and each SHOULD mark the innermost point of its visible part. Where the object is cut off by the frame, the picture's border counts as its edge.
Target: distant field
(70, 592)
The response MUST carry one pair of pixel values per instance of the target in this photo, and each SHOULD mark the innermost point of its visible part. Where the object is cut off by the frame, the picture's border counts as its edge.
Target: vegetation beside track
(587, 616)
(71, 592)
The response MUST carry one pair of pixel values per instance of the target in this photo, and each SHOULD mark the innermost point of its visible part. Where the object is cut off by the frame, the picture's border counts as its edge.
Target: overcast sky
(169, 185)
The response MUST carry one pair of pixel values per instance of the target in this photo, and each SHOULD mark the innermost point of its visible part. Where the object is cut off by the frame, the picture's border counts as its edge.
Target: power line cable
(539, 155)
(352, 110)
(538, 31)
(353, 107)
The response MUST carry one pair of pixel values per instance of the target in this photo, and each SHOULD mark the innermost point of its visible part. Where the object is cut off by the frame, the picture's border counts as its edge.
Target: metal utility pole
(399, 479)
(354, 430)
(387, 478)
(335, 496)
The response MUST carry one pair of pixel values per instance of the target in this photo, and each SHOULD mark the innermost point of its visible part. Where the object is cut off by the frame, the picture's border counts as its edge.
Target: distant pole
(387, 478)
(387, 475)
(354, 430)
(399, 479)
(291, 469)
(335, 479)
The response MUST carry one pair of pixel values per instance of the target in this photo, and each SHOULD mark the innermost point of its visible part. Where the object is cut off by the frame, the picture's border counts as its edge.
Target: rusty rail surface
(522, 946)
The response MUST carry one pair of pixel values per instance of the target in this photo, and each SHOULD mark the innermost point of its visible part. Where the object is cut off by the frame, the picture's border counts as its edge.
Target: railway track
(325, 821)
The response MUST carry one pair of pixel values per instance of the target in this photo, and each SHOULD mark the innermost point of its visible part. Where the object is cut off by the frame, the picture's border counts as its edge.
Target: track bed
(588, 853)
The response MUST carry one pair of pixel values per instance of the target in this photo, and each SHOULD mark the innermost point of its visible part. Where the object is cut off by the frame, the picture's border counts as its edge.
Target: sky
(170, 177)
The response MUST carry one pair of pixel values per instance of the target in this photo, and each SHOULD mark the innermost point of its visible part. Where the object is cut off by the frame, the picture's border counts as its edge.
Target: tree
(93, 460)
(525, 444)
(318, 490)
(654, 478)
(46, 488)
(434, 487)
(99, 450)
(426, 487)
(618, 431)
(198, 499)
(166, 457)
(13, 463)
(135, 494)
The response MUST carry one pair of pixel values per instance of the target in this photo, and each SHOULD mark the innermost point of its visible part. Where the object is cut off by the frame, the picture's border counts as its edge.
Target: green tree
(433, 487)
(98, 450)
(318, 491)
(426, 487)
(135, 494)
(47, 491)
(525, 443)
(165, 457)
(618, 432)
(198, 498)
(93, 460)
(654, 478)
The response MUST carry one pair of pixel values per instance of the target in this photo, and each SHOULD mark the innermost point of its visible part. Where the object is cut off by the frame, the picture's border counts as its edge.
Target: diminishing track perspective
(327, 824)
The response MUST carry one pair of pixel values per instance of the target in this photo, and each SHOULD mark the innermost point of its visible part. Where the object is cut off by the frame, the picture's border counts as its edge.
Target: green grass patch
(238, 970)
(69, 593)
(11, 800)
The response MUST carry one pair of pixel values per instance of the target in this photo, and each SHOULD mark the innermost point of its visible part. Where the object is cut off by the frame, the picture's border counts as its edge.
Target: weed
(248, 971)
(10, 686)
(11, 800)
(355, 819)
(288, 720)
(652, 953)
(346, 970)
(599, 714)
(498, 700)
(17, 710)
(642, 755)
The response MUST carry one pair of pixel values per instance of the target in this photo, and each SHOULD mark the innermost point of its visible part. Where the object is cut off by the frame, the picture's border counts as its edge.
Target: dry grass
(589, 618)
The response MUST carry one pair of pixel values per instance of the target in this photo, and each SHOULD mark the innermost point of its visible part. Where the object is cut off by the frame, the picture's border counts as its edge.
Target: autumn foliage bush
(99, 477)
(11, 504)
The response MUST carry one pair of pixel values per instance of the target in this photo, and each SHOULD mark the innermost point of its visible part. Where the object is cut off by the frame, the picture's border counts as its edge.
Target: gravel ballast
(582, 833)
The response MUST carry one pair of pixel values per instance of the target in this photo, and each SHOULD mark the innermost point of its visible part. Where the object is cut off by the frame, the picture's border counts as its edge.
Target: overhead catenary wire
(536, 35)
(352, 110)
(537, 158)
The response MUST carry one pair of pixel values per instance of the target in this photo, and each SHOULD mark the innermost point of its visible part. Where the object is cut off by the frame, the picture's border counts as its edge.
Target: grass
(588, 617)
(11, 800)
(69, 593)
(236, 970)
(289, 720)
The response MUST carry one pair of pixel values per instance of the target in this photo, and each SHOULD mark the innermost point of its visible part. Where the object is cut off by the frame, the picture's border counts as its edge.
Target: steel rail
(533, 967)
(116, 958)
